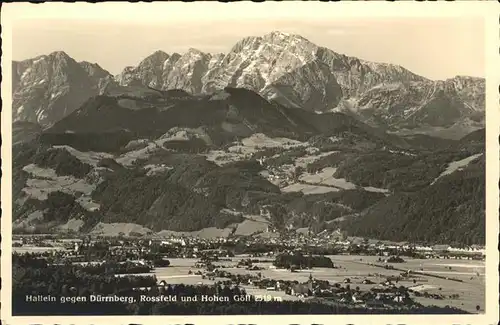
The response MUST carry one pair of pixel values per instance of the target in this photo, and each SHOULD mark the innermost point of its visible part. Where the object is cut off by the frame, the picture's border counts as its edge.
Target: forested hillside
(237, 163)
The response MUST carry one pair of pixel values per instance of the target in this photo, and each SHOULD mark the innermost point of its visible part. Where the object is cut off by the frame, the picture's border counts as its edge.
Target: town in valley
(352, 272)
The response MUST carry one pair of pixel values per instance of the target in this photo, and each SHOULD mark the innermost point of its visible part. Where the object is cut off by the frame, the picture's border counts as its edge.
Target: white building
(423, 248)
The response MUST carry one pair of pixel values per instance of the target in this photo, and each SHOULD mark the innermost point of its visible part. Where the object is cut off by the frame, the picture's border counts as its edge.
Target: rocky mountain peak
(194, 52)
(278, 37)
(286, 68)
(60, 55)
(168, 63)
(274, 43)
(94, 70)
(155, 59)
(159, 54)
(462, 82)
(49, 87)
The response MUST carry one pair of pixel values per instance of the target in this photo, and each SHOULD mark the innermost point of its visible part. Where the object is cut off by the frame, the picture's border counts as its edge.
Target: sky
(436, 48)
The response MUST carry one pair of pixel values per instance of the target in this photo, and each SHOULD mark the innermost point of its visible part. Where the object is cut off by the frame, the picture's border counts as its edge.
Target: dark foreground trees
(300, 261)
(33, 276)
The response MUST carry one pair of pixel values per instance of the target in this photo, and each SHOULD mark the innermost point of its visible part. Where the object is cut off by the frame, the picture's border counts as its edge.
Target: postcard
(250, 163)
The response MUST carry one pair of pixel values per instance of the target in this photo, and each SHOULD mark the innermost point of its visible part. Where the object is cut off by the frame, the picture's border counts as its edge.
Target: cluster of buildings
(330, 243)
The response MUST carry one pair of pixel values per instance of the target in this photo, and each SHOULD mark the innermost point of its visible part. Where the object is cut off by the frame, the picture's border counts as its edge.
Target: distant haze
(436, 48)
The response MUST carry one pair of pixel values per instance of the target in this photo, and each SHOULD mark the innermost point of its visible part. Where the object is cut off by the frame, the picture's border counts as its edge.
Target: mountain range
(278, 135)
(284, 68)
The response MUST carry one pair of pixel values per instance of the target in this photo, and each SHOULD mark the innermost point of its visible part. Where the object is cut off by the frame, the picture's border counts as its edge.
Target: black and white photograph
(247, 164)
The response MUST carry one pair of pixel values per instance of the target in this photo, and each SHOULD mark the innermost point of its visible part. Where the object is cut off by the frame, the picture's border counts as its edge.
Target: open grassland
(471, 291)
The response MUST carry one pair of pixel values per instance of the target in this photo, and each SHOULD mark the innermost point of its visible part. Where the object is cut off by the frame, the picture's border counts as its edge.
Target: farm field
(471, 291)
(34, 249)
(357, 268)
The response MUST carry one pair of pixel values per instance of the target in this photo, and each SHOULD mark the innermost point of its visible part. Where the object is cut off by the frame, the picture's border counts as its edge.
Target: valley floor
(471, 291)
(356, 268)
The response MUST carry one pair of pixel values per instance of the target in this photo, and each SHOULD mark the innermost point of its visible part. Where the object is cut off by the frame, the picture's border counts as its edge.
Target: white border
(150, 12)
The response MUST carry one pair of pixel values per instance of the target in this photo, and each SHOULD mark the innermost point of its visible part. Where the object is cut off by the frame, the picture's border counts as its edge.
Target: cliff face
(50, 87)
(284, 68)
